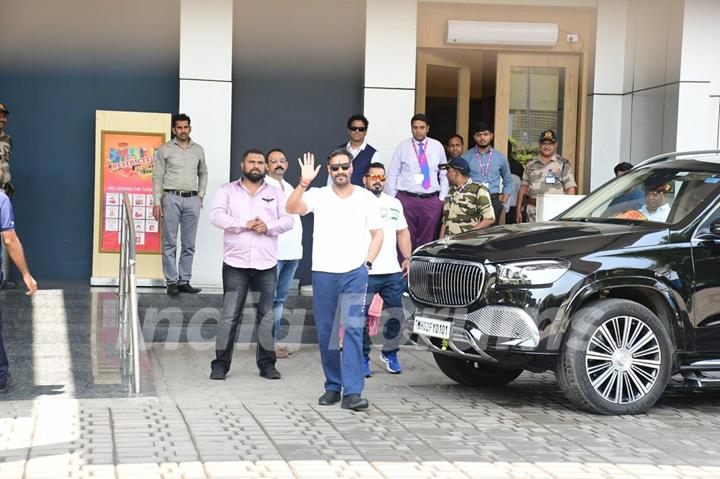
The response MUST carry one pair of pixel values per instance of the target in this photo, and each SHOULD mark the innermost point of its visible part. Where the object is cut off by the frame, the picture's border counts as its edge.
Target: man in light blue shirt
(489, 167)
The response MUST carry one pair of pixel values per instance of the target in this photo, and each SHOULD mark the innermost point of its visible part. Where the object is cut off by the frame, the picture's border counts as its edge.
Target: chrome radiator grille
(445, 282)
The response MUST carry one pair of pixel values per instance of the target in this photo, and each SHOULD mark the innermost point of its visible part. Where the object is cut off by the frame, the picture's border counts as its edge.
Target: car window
(650, 194)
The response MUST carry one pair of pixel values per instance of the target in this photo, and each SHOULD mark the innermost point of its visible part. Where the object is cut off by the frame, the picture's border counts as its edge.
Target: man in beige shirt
(548, 174)
(179, 184)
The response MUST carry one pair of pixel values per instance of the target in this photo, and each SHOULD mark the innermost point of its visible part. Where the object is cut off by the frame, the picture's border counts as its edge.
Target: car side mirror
(714, 232)
(715, 227)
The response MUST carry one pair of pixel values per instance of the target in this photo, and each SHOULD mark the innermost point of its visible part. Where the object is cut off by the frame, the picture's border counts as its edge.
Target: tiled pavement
(68, 416)
(420, 424)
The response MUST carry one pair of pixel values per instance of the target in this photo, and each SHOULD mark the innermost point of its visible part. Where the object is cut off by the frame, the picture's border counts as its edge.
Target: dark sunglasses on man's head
(344, 166)
(376, 177)
(358, 128)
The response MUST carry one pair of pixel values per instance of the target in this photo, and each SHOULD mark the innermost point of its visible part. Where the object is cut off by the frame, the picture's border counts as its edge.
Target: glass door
(534, 93)
(443, 93)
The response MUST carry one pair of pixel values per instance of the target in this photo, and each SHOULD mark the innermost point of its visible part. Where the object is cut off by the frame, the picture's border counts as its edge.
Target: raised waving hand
(308, 170)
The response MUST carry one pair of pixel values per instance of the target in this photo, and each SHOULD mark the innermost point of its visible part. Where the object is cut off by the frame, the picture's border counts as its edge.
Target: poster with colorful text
(127, 168)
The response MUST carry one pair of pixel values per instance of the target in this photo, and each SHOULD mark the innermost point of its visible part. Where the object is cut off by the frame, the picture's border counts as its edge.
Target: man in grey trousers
(179, 184)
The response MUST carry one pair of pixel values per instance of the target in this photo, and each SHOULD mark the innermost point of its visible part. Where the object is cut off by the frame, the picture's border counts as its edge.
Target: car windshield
(660, 194)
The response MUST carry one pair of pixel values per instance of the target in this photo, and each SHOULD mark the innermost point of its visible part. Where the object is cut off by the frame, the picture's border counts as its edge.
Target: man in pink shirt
(252, 214)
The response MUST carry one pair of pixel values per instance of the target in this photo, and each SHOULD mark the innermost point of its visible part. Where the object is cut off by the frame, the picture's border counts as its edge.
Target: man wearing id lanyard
(549, 174)
(414, 177)
(489, 167)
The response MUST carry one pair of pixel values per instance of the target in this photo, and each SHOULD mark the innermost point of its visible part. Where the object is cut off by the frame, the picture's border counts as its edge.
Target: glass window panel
(536, 104)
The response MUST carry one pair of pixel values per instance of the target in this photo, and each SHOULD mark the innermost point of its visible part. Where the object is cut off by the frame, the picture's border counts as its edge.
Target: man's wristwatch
(368, 265)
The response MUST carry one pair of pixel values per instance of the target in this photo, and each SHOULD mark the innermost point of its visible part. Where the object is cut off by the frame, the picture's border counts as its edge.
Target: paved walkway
(68, 415)
(420, 424)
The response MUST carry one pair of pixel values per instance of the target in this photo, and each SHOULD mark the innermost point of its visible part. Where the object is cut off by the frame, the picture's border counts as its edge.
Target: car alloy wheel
(623, 359)
(616, 357)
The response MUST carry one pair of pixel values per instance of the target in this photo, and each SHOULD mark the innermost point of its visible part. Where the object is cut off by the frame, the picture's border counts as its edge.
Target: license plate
(437, 328)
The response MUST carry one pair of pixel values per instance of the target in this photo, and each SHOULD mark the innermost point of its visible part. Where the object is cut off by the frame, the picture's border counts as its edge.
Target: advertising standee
(127, 168)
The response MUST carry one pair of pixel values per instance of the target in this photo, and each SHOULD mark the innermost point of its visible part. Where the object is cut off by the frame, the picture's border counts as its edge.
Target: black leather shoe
(217, 373)
(354, 402)
(172, 289)
(186, 288)
(270, 373)
(4, 386)
(329, 398)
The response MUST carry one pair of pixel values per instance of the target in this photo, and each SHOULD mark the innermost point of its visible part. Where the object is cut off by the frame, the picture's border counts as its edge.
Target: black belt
(494, 195)
(184, 194)
(420, 195)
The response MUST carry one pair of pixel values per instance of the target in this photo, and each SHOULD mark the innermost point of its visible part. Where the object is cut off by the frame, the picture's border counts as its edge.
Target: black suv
(616, 295)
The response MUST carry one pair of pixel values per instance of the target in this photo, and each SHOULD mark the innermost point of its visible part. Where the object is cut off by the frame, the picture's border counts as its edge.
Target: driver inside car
(656, 206)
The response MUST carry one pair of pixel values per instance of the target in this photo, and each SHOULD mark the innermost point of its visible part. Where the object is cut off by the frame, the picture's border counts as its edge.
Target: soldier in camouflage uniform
(549, 174)
(467, 205)
(5, 152)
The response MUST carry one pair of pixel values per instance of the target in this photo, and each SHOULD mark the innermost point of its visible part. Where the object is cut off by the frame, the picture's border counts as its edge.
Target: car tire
(616, 359)
(474, 373)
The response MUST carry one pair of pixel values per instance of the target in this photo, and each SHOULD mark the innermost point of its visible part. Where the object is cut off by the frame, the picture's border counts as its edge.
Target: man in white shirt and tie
(414, 178)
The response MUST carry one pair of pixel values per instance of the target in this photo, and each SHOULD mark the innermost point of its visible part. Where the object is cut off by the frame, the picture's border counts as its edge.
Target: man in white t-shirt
(289, 244)
(387, 276)
(347, 238)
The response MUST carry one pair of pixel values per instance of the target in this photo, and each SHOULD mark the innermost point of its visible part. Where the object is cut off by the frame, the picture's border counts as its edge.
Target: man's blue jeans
(285, 273)
(390, 287)
(339, 298)
(237, 282)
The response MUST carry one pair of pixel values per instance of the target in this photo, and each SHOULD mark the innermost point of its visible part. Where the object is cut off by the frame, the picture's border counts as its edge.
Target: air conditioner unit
(464, 32)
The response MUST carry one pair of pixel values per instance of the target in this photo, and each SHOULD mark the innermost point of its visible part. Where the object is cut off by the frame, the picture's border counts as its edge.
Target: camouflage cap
(548, 135)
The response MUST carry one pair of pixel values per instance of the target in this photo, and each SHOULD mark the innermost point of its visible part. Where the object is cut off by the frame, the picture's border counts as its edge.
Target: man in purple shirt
(15, 251)
(252, 214)
(415, 179)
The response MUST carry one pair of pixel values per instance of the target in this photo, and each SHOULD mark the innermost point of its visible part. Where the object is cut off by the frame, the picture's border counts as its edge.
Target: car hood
(553, 239)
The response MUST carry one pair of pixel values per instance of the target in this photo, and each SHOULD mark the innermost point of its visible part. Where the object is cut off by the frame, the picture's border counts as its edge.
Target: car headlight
(531, 273)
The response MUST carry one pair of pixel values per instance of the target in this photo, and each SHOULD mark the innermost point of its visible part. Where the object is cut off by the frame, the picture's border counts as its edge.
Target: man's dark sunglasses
(344, 166)
(4, 112)
(358, 128)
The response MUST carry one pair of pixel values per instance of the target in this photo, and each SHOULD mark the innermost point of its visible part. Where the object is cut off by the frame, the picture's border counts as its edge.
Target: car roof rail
(672, 154)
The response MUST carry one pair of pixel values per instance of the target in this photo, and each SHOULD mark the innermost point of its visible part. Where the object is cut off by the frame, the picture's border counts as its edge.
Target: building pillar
(698, 105)
(390, 52)
(610, 107)
(206, 37)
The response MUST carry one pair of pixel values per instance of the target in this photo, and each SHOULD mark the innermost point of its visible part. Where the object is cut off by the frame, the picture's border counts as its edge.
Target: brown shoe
(281, 352)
